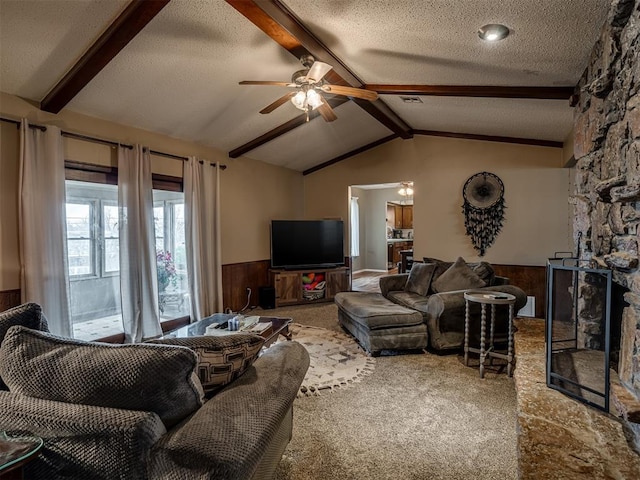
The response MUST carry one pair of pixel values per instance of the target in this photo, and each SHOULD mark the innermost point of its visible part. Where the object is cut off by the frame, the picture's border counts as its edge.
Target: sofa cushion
(221, 359)
(373, 311)
(410, 300)
(28, 315)
(156, 378)
(420, 278)
(457, 277)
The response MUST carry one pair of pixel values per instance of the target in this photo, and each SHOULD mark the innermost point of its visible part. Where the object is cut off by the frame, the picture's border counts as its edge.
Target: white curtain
(44, 276)
(355, 227)
(202, 232)
(138, 275)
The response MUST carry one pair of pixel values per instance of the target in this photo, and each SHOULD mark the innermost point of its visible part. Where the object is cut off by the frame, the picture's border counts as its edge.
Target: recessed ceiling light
(493, 32)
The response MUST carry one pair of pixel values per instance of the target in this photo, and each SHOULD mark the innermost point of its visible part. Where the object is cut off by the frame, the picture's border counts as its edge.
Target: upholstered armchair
(139, 411)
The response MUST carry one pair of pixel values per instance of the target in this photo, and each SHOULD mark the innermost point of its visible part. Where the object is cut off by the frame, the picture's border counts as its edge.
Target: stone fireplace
(606, 195)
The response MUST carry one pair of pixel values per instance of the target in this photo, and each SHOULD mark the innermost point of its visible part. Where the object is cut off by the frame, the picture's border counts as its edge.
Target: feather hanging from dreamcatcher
(483, 209)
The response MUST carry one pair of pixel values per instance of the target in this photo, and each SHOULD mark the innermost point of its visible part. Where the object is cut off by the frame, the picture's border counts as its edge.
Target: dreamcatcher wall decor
(483, 209)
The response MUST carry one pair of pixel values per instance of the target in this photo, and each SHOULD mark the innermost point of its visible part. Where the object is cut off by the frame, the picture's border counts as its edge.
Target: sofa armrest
(392, 283)
(228, 435)
(446, 314)
(498, 280)
(78, 438)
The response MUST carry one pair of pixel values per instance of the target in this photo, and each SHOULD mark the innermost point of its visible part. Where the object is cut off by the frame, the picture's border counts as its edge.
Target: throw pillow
(441, 267)
(155, 378)
(485, 271)
(420, 278)
(458, 277)
(28, 315)
(221, 359)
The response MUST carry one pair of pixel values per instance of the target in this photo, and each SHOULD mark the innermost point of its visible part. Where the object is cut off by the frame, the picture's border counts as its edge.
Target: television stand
(302, 286)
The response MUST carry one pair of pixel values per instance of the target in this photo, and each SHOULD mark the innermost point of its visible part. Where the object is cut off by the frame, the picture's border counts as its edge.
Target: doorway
(378, 232)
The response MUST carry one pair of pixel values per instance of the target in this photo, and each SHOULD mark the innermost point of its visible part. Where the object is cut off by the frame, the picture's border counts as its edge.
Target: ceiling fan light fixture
(493, 32)
(314, 99)
(306, 100)
(299, 100)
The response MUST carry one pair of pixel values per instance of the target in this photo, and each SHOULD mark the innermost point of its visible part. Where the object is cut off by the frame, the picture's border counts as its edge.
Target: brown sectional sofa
(435, 289)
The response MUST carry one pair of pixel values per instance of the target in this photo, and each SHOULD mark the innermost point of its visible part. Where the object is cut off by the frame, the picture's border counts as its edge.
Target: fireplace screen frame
(554, 346)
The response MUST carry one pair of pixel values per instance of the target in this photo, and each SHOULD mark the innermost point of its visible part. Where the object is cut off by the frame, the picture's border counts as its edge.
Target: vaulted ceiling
(174, 67)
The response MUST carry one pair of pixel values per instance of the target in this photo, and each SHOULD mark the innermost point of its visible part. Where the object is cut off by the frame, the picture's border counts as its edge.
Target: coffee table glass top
(207, 326)
(14, 451)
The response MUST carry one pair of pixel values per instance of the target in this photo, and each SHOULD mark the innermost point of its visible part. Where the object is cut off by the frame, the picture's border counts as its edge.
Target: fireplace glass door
(578, 331)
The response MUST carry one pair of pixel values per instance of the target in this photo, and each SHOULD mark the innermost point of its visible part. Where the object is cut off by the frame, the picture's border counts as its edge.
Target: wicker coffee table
(216, 324)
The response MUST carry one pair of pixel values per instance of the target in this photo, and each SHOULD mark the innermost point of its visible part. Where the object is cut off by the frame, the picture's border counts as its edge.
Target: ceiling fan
(308, 82)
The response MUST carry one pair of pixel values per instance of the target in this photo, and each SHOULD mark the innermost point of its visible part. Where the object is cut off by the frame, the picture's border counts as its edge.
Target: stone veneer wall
(607, 185)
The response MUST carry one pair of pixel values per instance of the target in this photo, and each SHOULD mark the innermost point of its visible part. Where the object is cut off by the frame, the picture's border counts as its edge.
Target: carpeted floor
(416, 417)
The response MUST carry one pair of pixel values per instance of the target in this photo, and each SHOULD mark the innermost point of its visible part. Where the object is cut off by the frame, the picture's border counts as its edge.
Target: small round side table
(485, 298)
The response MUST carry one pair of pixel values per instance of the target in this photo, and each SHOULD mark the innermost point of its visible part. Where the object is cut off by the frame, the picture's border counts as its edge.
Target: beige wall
(536, 194)
(252, 193)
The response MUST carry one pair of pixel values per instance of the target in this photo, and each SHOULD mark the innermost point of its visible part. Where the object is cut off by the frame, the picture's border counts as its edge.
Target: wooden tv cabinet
(290, 289)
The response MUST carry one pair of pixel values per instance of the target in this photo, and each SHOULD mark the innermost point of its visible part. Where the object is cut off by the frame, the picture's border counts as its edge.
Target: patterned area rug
(337, 361)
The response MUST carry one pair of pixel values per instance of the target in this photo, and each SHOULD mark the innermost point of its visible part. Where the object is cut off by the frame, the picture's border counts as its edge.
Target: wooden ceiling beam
(282, 129)
(491, 138)
(344, 156)
(282, 26)
(124, 28)
(543, 93)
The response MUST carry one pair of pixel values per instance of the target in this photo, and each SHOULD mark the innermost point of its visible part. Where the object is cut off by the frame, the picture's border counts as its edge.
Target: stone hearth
(558, 437)
(606, 196)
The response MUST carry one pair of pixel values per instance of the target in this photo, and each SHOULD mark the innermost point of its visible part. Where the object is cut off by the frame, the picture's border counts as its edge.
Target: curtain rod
(100, 140)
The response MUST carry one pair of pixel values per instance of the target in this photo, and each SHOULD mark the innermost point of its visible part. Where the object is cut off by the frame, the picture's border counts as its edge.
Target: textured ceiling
(436, 41)
(179, 76)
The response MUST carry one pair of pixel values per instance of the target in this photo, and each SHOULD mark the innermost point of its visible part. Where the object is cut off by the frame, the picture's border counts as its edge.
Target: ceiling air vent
(411, 99)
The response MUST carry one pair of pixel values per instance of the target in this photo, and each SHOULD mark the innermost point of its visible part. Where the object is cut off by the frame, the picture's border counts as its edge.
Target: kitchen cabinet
(403, 216)
(407, 216)
(398, 217)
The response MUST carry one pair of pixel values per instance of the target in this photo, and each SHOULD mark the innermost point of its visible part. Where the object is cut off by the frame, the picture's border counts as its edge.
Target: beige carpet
(416, 416)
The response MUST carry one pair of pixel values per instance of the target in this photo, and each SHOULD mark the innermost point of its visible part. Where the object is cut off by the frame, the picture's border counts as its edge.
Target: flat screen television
(300, 244)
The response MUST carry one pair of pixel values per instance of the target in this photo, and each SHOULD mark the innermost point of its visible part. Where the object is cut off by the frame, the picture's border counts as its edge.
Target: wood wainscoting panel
(530, 278)
(236, 277)
(9, 299)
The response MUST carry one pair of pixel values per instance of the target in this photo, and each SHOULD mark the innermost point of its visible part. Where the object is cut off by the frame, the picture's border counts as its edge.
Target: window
(80, 240)
(111, 251)
(93, 255)
(168, 214)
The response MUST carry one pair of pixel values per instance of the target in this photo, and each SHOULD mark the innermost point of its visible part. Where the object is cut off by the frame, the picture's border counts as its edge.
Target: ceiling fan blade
(327, 112)
(281, 101)
(317, 71)
(266, 82)
(350, 92)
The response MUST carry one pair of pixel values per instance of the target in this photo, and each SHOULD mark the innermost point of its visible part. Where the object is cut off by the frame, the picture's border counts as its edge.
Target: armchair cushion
(420, 278)
(457, 277)
(221, 359)
(154, 378)
(28, 315)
